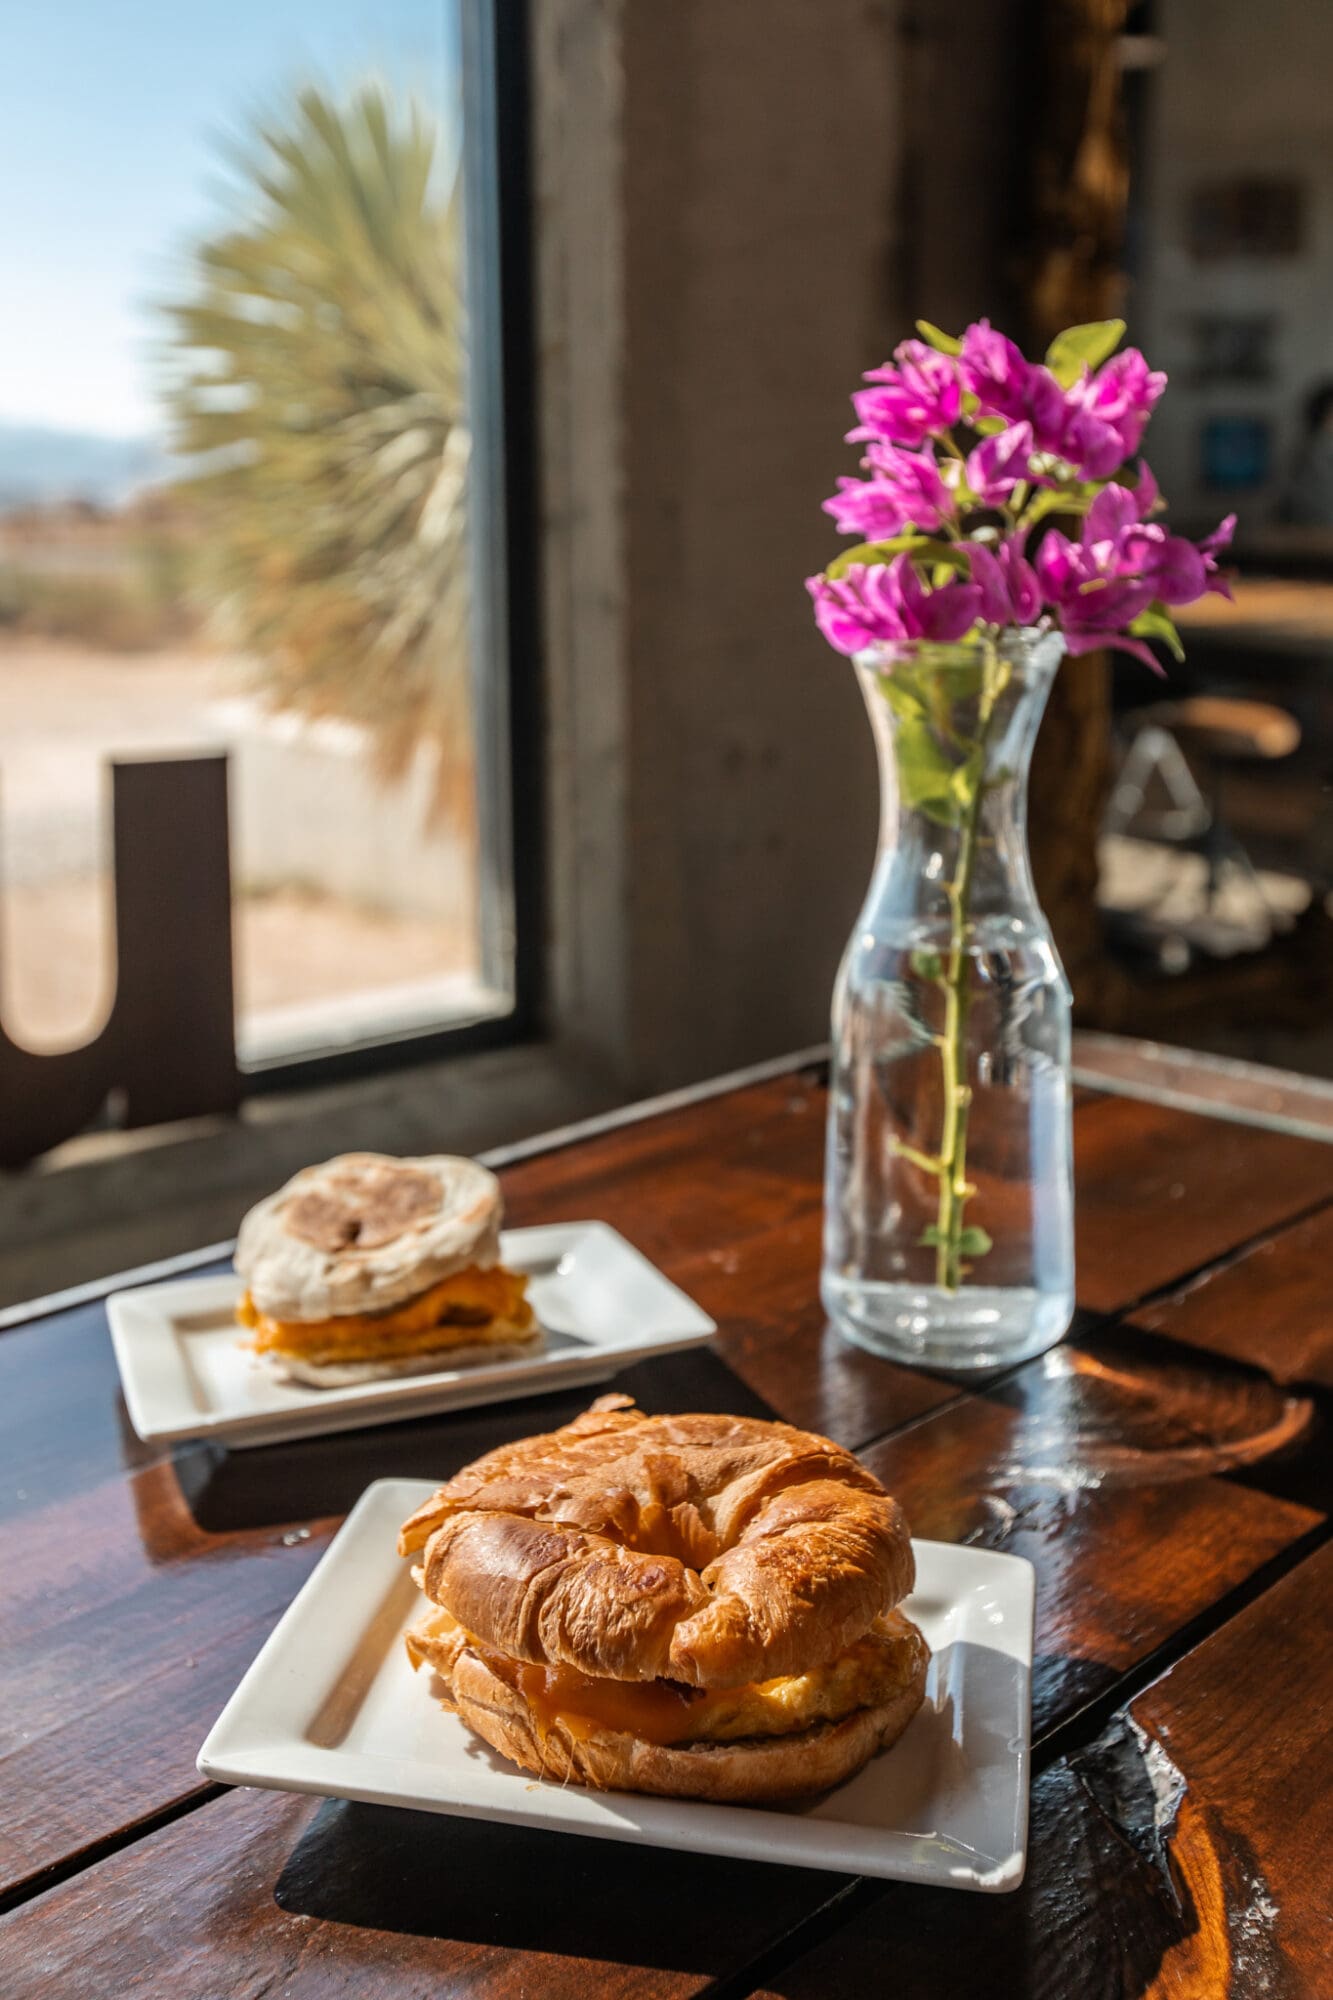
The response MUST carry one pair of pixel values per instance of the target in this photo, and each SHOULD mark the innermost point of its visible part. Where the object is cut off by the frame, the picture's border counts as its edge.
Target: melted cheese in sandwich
(471, 1308)
(870, 1672)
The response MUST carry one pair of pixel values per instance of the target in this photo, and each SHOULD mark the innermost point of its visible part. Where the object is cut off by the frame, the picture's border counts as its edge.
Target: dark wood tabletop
(1166, 1470)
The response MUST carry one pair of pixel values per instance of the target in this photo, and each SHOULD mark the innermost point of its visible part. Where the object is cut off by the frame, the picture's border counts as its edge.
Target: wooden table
(1166, 1470)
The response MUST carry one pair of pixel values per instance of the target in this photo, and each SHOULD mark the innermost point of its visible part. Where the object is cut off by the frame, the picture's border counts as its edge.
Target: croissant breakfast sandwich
(697, 1606)
(368, 1267)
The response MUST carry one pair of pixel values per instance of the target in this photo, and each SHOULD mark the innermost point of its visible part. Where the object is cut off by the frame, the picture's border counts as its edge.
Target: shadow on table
(509, 1888)
(311, 1478)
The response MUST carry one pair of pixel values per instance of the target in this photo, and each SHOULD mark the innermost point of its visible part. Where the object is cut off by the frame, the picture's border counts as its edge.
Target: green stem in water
(955, 1190)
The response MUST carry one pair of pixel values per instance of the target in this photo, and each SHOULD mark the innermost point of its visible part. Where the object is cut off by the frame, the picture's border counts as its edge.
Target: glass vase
(948, 1198)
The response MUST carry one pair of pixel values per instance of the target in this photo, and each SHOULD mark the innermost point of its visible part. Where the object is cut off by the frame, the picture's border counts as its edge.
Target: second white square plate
(331, 1706)
(186, 1372)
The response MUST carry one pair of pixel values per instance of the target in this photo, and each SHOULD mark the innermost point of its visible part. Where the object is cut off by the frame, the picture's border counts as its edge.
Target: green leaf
(973, 1241)
(967, 776)
(925, 772)
(1157, 623)
(1058, 500)
(944, 343)
(923, 548)
(947, 686)
(990, 426)
(870, 553)
(902, 698)
(1080, 347)
(933, 551)
(927, 964)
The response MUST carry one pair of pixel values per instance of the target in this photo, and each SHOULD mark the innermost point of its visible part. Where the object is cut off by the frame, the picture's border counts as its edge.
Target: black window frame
(507, 634)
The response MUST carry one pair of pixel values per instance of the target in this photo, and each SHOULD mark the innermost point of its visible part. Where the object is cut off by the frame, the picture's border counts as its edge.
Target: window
(253, 500)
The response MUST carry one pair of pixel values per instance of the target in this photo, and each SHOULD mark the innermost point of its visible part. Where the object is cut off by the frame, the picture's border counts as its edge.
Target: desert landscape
(100, 658)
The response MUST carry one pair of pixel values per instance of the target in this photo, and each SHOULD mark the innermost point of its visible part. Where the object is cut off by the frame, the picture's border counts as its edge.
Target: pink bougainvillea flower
(905, 490)
(942, 614)
(1092, 448)
(1082, 582)
(871, 509)
(1112, 514)
(1094, 425)
(1125, 545)
(1121, 396)
(875, 604)
(1105, 416)
(1172, 565)
(916, 474)
(1099, 586)
(997, 464)
(1010, 594)
(1219, 583)
(914, 396)
(1032, 427)
(1005, 385)
(849, 610)
(1184, 570)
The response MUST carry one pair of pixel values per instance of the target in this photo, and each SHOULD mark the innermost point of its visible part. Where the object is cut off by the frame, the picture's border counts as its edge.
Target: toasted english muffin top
(365, 1231)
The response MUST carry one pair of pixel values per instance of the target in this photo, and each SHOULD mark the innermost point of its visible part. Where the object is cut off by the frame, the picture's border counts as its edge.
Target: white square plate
(332, 1706)
(186, 1372)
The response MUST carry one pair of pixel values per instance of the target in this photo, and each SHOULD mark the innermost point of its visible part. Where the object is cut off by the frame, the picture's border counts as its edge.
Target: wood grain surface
(1101, 1468)
(1154, 1482)
(1162, 1193)
(1270, 1306)
(1182, 1855)
(256, 1893)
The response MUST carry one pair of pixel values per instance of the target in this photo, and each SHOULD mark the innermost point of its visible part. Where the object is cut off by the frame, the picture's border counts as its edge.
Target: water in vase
(948, 1232)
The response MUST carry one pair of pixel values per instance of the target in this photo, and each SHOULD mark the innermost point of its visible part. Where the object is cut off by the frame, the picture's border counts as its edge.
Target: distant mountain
(40, 466)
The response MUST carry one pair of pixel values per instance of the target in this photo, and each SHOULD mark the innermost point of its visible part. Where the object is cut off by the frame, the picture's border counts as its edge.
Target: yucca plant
(315, 375)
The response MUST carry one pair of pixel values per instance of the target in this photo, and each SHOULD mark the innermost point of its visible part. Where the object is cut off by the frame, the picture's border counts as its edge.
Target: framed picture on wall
(1232, 347)
(1235, 452)
(1251, 215)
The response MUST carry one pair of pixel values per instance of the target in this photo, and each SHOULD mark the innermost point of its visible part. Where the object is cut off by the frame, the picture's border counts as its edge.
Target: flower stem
(955, 1190)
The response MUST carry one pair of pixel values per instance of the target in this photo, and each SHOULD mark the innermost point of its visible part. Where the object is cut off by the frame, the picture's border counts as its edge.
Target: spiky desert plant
(315, 374)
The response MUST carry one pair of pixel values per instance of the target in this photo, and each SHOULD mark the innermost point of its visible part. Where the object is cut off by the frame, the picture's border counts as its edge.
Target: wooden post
(168, 1047)
(1073, 273)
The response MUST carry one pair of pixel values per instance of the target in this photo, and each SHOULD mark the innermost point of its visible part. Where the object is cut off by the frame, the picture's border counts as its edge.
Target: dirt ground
(64, 709)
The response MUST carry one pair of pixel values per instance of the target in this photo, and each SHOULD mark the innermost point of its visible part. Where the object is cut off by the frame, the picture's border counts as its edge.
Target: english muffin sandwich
(369, 1266)
(697, 1606)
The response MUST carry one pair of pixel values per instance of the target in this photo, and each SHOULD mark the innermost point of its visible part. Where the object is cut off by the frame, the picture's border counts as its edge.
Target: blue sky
(110, 117)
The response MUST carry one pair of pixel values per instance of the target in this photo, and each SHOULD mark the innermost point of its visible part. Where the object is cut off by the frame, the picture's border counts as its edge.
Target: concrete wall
(760, 169)
(1243, 90)
(728, 243)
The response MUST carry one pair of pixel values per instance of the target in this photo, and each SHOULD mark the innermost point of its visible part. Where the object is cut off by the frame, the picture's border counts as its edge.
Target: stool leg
(1217, 841)
(1155, 751)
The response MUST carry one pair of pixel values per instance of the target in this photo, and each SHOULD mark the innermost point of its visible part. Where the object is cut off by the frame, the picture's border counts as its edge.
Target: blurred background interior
(423, 407)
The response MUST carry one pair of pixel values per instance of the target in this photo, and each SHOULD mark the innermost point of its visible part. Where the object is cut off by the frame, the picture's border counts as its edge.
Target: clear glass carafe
(948, 1217)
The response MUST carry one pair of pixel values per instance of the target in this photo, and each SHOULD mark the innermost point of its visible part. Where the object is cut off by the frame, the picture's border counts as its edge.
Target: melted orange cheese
(654, 1711)
(666, 1712)
(473, 1306)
